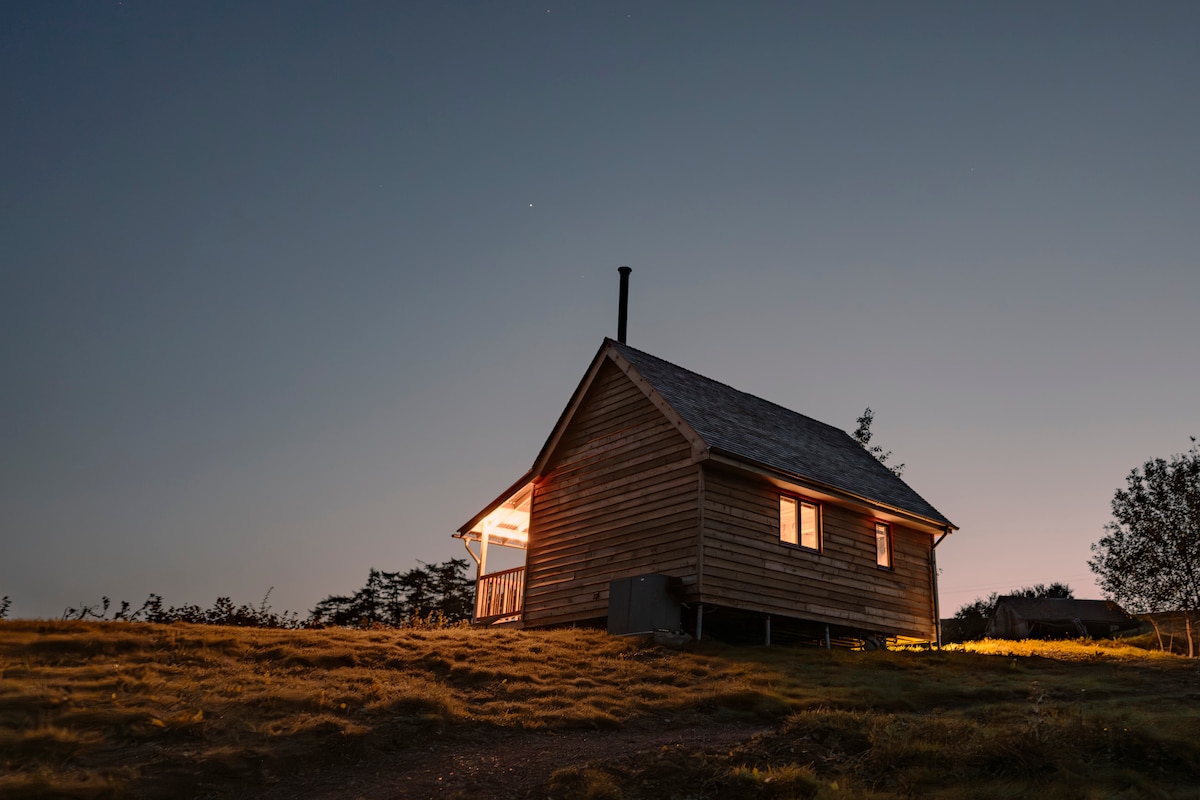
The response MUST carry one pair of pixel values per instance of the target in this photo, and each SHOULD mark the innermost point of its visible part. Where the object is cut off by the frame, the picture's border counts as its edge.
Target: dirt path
(504, 766)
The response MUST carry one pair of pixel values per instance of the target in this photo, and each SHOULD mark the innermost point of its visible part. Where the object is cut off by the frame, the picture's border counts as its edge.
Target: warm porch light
(508, 523)
(500, 595)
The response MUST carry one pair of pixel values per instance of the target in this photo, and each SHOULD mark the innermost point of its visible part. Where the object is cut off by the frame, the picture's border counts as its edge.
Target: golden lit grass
(101, 709)
(1142, 648)
(1009, 720)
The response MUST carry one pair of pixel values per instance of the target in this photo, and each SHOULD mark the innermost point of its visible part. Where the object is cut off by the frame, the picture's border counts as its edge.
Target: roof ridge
(761, 431)
(734, 389)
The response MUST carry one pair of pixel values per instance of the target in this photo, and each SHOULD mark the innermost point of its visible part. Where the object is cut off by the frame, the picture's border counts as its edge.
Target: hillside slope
(95, 710)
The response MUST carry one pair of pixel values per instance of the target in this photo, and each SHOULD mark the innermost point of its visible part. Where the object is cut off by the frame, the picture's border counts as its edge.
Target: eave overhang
(825, 491)
(465, 530)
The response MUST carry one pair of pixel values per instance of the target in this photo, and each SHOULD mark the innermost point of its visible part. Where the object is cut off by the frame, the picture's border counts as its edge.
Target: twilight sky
(291, 290)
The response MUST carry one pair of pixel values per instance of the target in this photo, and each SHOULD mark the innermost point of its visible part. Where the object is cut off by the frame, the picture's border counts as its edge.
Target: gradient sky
(291, 290)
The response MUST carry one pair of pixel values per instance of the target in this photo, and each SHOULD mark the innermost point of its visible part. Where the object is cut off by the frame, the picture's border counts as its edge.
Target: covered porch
(497, 541)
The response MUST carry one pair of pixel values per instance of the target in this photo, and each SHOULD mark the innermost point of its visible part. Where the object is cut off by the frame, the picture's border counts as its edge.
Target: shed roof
(764, 433)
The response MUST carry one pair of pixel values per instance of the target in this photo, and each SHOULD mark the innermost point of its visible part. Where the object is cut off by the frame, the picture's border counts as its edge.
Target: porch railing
(499, 594)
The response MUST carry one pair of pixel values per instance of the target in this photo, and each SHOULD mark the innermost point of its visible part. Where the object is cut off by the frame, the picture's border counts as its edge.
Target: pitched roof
(758, 431)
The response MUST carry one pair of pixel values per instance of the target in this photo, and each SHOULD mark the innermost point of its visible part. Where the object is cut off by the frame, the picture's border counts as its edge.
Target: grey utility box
(644, 604)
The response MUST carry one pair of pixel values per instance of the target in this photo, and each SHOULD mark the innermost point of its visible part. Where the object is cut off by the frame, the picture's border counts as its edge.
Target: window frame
(889, 550)
(800, 503)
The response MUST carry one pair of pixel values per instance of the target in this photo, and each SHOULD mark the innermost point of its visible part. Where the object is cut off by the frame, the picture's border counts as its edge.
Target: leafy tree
(1149, 561)
(862, 434)
(5, 602)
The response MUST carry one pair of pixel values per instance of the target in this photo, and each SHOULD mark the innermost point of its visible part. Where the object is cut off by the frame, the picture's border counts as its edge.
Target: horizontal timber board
(614, 521)
(833, 552)
(582, 437)
(567, 482)
(629, 441)
(599, 581)
(608, 405)
(676, 489)
(607, 520)
(718, 578)
(834, 522)
(562, 559)
(664, 525)
(597, 423)
(921, 628)
(647, 560)
(570, 557)
(621, 522)
(576, 560)
(719, 582)
(658, 475)
(756, 567)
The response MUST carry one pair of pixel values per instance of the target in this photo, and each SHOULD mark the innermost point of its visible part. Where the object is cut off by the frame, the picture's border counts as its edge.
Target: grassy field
(92, 710)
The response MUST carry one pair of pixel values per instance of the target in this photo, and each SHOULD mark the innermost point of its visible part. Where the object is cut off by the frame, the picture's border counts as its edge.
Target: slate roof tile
(764, 433)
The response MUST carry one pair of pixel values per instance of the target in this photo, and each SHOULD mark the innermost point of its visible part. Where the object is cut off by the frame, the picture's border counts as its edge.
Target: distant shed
(1057, 618)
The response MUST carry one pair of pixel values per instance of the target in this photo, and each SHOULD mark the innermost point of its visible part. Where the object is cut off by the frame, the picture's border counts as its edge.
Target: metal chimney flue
(623, 308)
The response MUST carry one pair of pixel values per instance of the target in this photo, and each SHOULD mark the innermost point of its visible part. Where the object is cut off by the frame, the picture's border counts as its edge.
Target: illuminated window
(799, 523)
(883, 545)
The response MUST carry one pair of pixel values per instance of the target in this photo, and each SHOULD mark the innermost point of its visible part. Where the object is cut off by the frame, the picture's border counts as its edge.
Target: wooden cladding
(747, 566)
(622, 492)
(617, 500)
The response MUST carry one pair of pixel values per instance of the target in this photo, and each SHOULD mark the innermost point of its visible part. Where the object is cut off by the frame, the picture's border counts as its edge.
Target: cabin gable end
(616, 497)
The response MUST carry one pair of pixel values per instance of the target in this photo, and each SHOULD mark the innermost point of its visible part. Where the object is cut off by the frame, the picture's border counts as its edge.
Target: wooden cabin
(752, 511)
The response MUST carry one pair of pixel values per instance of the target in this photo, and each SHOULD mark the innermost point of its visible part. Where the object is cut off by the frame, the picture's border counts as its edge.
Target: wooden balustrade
(499, 595)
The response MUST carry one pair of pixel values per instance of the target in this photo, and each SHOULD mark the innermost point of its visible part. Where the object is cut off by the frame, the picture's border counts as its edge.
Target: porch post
(483, 548)
(482, 567)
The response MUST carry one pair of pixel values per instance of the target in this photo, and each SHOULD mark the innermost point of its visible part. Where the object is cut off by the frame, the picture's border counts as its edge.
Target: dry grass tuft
(786, 781)
(582, 783)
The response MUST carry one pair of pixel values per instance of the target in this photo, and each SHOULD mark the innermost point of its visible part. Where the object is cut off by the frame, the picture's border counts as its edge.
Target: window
(799, 523)
(883, 545)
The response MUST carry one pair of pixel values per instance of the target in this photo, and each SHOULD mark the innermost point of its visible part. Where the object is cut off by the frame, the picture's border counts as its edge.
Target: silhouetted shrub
(432, 595)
